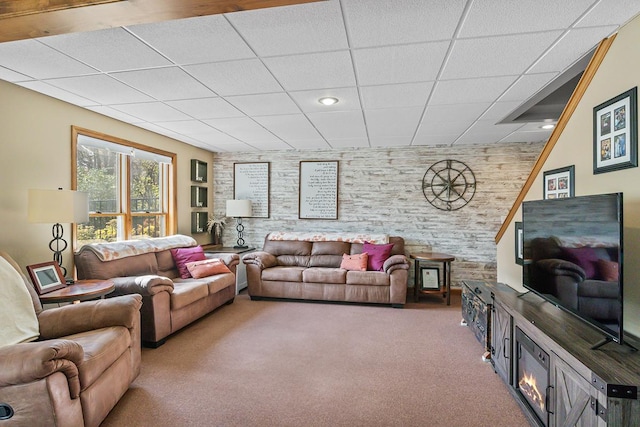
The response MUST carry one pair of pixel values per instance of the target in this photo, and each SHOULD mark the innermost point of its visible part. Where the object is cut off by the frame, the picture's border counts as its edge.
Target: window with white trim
(130, 186)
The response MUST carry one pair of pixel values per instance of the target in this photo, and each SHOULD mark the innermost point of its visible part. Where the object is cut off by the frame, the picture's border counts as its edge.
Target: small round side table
(81, 290)
(441, 259)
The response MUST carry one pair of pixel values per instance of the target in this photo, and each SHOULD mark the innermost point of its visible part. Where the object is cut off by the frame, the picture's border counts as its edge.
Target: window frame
(124, 182)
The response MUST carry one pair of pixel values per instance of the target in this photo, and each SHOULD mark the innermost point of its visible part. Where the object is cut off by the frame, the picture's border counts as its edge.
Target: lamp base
(240, 247)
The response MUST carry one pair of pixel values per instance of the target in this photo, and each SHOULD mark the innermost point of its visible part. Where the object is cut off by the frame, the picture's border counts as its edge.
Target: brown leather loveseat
(82, 361)
(306, 266)
(147, 267)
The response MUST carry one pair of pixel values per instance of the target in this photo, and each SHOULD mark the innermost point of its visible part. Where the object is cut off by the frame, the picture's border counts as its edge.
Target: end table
(442, 260)
(81, 290)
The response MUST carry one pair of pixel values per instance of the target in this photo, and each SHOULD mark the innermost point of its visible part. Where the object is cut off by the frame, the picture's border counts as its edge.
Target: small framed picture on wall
(559, 183)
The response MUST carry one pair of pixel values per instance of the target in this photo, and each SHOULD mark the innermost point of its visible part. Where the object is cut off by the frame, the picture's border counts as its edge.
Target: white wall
(617, 74)
(35, 152)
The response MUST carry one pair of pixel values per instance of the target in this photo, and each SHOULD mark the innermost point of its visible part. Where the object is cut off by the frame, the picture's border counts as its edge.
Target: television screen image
(574, 255)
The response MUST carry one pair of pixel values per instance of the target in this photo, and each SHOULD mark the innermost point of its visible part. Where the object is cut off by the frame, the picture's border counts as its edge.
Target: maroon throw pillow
(181, 256)
(378, 254)
(585, 257)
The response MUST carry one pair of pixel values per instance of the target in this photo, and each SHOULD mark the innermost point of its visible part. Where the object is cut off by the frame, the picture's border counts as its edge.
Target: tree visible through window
(129, 188)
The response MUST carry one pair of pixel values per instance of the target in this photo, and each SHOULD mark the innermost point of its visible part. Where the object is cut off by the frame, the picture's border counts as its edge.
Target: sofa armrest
(90, 315)
(261, 259)
(146, 285)
(395, 262)
(27, 362)
(560, 267)
(230, 260)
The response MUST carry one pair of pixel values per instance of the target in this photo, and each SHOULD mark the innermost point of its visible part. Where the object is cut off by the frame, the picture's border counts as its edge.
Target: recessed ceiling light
(549, 126)
(328, 100)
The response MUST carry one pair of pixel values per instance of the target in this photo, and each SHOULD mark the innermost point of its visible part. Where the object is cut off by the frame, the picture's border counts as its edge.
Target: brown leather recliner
(86, 357)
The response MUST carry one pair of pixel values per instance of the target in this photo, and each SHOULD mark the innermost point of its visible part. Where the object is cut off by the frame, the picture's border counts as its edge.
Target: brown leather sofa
(310, 270)
(169, 302)
(86, 357)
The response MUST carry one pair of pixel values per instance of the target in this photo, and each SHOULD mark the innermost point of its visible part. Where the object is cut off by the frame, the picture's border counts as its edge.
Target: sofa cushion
(367, 278)
(90, 267)
(324, 275)
(187, 291)
(378, 254)
(166, 264)
(102, 347)
(356, 262)
(328, 254)
(283, 274)
(182, 256)
(208, 267)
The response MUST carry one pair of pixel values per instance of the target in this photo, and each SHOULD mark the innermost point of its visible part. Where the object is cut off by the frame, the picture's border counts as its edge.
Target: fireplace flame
(529, 387)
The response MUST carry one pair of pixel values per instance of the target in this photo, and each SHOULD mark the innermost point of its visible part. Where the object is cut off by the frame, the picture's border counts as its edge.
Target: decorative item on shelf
(615, 133)
(198, 197)
(239, 209)
(198, 222)
(449, 185)
(58, 206)
(215, 227)
(198, 171)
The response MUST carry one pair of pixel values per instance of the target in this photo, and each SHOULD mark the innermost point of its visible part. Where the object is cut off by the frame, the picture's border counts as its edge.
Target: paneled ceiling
(405, 72)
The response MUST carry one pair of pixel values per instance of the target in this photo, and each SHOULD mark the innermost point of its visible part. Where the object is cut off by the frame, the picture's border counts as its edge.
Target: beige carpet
(266, 363)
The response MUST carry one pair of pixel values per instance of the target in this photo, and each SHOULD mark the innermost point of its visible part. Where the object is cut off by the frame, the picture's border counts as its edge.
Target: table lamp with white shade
(57, 207)
(239, 209)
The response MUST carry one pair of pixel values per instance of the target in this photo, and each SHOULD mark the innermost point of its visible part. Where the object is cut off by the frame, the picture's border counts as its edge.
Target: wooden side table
(241, 270)
(81, 290)
(444, 261)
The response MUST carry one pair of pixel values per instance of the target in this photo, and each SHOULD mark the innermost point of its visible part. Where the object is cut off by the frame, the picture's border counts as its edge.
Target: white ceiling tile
(289, 127)
(101, 89)
(339, 124)
(309, 144)
(264, 104)
(195, 40)
(107, 50)
(308, 100)
(392, 122)
(33, 59)
(271, 145)
(243, 128)
(152, 111)
(186, 127)
(164, 84)
(570, 48)
(390, 141)
(487, 126)
(494, 17)
(399, 64)
(206, 108)
(465, 113)
(540, 136)
(160, 130)
(443, 128)
(610, 12)
(118, 115)
(289, 30)
(12, 76)
(485, 132)
(486, 89)
(244, 77)
(526, 86)
(313, 71)
(496, 56)
(376, 23)
(349, 142)
(398, 95)
(500, 110)
(435, 140)
(57, 93)
(234, 147)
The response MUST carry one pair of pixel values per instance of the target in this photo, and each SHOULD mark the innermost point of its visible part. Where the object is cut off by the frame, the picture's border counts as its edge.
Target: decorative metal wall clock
(449, 185)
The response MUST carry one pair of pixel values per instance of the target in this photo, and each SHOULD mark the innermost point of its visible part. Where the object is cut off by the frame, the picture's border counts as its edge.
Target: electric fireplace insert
(533, 376)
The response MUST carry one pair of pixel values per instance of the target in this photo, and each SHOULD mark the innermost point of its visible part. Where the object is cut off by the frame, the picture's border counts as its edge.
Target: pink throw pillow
(181, 256)
(357, 262)
(378, 254)
(208, 267)
(608, 270)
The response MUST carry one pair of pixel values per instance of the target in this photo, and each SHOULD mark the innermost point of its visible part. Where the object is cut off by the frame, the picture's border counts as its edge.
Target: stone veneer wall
(380, 191)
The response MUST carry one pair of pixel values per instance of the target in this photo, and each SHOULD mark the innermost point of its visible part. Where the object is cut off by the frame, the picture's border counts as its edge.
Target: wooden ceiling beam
(40, 18)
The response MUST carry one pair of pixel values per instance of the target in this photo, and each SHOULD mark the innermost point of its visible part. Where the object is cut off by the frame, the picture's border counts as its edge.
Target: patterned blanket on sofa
(127, 248)
(329, 237)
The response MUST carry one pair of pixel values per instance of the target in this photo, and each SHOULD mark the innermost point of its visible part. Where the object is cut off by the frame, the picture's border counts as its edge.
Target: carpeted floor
(271, 363)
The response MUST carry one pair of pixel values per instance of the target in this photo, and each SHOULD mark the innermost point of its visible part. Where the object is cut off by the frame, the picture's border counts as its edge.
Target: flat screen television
(573, 257)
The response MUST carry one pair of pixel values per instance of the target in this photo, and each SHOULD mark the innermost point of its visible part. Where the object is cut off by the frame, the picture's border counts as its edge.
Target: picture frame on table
(519, 243)
(559, 183)
(46, 277)
(615, 133)
(430, 279)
